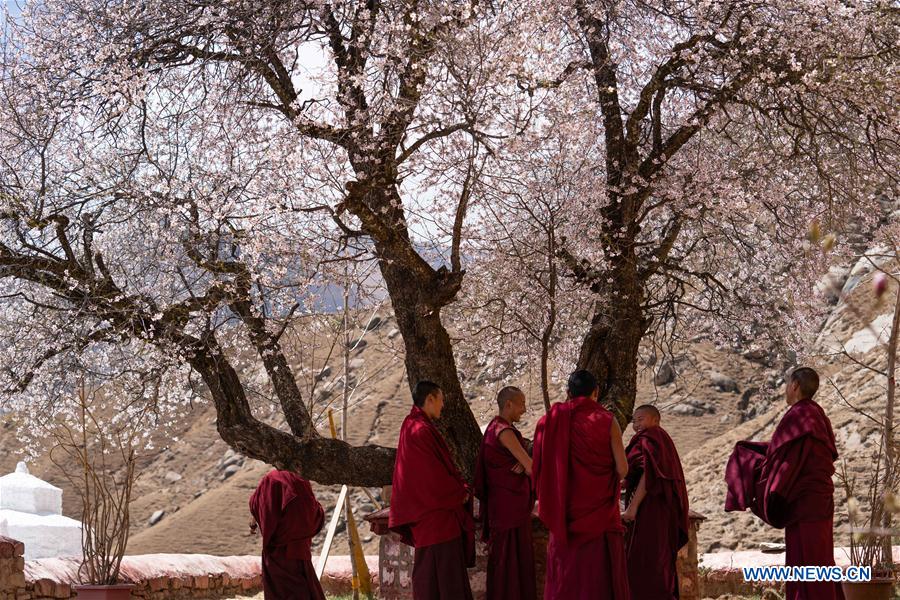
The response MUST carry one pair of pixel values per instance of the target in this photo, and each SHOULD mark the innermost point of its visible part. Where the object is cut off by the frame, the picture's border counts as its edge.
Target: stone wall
(12, 569)
(730, 582)
(155, 576)
(689, 584)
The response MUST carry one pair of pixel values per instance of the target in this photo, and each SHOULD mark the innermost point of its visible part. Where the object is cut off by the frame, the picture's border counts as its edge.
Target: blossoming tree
(179, 178)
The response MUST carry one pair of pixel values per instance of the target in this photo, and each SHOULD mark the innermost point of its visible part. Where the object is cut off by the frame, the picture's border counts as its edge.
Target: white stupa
(31, 512)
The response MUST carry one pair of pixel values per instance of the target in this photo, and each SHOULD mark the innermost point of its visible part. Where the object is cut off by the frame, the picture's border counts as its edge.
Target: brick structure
(687, 563)
(155, 576)
(396, 561)
(12, 569)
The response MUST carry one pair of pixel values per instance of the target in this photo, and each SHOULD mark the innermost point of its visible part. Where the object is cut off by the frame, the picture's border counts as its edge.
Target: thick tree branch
(596, 32)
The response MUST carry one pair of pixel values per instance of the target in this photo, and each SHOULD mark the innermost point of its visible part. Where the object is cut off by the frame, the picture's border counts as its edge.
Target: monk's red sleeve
(635, 470)
(265, 504)
(438, 485)
(536, 455)
(782, 472)
(743, 474)
(316, 513)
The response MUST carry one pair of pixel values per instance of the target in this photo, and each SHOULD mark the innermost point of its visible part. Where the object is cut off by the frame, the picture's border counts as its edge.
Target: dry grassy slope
(205, 513)
(857, 435)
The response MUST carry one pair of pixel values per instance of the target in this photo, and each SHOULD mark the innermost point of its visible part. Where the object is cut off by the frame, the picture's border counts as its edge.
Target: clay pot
(877, 589)
(120, 591)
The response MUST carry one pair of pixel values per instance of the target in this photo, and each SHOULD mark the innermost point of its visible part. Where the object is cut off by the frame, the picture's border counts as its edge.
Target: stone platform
(156, 576)
(720, 572)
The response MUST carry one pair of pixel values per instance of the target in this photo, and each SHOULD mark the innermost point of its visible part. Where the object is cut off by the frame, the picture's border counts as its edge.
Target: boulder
(235, 459)
(693, 408)
(757, 355)
(722, 382)
(172, 477)
(871, 337)
(156, 517)
(832, 283)
(744, 402)
(665, 374)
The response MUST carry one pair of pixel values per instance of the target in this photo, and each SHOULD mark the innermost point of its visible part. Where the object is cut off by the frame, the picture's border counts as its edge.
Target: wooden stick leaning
(329, 536)
(362, 579)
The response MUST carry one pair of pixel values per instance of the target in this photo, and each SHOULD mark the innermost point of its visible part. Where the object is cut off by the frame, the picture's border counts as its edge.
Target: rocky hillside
(192, 494)
(205, 509)
(848, 352)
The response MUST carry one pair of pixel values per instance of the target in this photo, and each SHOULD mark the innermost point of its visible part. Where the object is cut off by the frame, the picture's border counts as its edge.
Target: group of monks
(575, 471)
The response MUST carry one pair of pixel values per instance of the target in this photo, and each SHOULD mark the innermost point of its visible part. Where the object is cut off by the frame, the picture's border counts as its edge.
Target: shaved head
(508, 393)
(423, 389)
(807, 381)
(651, 410)
(644, 417)
(512, 404)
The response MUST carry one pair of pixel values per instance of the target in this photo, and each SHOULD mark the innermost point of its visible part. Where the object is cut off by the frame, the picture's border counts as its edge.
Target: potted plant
(94, 447)
(867, 531)
(871, 524)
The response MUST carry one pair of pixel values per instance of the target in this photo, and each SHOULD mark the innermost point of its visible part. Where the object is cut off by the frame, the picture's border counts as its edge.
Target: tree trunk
(418, 292)
(610, 348)
(325, 461)
(552, 281)
(545, 367)
(429, 355)
(888, 429)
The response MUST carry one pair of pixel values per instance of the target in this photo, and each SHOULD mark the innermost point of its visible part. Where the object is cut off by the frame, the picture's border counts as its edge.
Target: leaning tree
(177, 176)
(233, 150)
(725, 129)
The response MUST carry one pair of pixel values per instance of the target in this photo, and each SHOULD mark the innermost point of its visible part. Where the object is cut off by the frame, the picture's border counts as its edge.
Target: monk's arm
(639, 493)
(618, 450)
(511, 443)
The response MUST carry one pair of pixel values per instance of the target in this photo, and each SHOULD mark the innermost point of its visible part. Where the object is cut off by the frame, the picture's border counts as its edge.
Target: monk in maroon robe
(431, 506)
(787, 483)
(657, 508)
(288, 516)
(503, 487)
(579, 462)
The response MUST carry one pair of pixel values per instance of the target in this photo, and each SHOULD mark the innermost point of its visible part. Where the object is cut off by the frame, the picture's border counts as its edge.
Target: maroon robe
(506, 503)
(660, 528)
(578, 500)
(431, 510)
(289, 516)
(787, 483)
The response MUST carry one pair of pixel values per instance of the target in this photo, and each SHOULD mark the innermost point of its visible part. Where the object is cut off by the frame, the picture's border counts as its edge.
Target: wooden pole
(345, 401)
(888, 430)
(362, 579)
(329, 536)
